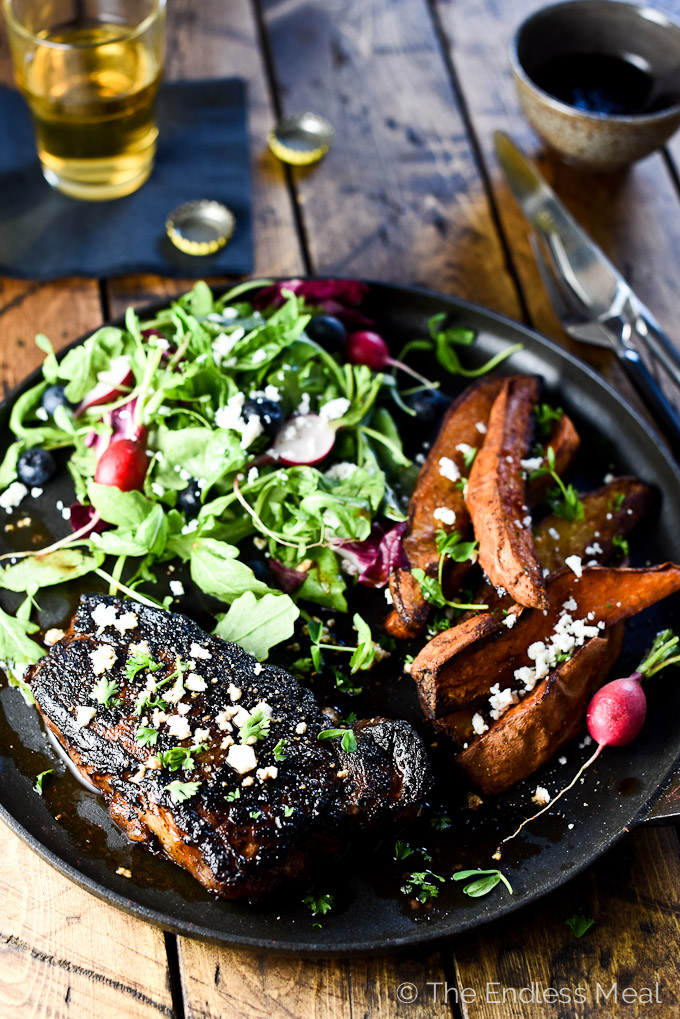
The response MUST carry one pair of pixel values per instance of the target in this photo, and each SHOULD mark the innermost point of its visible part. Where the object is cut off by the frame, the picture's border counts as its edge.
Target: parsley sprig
(421, 884)
(579, 924)
(255, 726)
(104, 692)
(181, 791)
(180, 758)
(450, 545)
(431, 590)
(138, 661)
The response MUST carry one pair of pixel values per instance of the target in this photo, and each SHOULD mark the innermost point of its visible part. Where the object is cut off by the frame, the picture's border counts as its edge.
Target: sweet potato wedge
(497, 496)
(615, 509)
(531, 732)
(462, 664)
(434, 490)
(565, 442)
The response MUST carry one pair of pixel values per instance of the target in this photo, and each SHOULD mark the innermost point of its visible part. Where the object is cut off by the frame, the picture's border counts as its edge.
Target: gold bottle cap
(201, 227)
(301, 139)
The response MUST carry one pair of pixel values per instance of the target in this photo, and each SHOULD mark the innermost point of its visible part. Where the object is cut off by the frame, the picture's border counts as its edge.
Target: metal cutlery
(592, 299)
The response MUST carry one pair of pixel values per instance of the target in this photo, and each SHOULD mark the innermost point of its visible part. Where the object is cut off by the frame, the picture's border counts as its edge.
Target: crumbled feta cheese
(157, 489)
(178, 727)
(223, 344)
(541, 796)
(196, 651)
(301, 728)
(128, 621)
(510, 620)
(570, 605)
(607, 479)
(228, 741)
(271, 771)
(446, 515)
(12, 496)
(195, 683)
(202, 736)
(341, 471)
(102, 658)
(500, 700)
(104, 615)
(448, 469)
(481, 427)
(141, 648)
(478, 724)
(562, 760)
(388, 596)
(234, 692)
(36, 493)
(241, 758)
(259, 356)
(41, 414)
(53, 636)
(554, 533)
(594, 549)
(257, 669)
(531, 464)
(574, 564)
(176, 588)
(466, 449)
(248, 780)
(304, 406)
(158, 717)
(253, 475)
(334, 409)
(251, 430)
(84, 715)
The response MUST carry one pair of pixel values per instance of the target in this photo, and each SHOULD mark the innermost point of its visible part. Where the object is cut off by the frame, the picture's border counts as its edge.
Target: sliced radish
(109, 386)
(305, 439)
(123, 465)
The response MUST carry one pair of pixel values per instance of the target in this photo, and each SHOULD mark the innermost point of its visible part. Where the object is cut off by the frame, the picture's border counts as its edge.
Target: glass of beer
(90, 70)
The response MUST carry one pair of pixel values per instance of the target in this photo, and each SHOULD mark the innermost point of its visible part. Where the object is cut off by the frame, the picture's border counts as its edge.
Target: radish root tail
(549, 806)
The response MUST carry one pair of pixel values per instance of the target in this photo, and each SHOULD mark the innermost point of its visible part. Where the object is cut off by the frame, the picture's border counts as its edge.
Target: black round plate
(371, 913)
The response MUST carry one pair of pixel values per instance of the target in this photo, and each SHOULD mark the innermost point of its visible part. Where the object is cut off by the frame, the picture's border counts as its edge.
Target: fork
(577, 321)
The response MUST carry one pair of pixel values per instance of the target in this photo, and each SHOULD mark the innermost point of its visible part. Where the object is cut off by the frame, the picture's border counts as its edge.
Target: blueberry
(189, 499)
(35, 467)
(54, 397)
(327, 331)
(429, 404)
(269, 412)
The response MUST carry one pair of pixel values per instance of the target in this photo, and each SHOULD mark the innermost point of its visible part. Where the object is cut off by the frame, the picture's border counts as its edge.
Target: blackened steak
(262, 808)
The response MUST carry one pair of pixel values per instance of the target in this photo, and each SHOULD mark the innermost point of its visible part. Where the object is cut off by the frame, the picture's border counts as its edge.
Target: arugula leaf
(484, 881)
(579, 924)
(47, 570)
(216, 569)
(181, 791)
(8, 468)
(40, 779)
(15, 644)
(258, 624)
(82, 364)
(128, 510)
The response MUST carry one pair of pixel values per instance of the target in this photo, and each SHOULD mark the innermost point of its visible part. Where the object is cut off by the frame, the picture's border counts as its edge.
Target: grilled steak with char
(262, 808)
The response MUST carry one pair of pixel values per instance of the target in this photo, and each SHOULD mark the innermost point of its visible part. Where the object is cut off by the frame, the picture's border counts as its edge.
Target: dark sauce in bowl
(596, 83)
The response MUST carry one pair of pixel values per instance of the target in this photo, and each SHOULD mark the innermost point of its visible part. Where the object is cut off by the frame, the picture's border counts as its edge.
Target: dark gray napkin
(202, 153)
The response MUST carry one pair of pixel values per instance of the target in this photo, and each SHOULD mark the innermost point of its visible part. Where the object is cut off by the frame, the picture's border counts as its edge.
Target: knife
(603, 292)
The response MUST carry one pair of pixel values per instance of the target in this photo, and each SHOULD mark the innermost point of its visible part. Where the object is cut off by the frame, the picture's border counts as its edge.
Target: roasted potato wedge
(497, 496)
(531, 732)
(435, 490)
(462, 664)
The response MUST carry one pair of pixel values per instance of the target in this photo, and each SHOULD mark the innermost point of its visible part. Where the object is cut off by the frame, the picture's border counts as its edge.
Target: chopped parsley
(288, 811)
(179, 758)
(147, 736)
(40, 779)
(348, 740)
(563, 499)
(104, 692)
(233, 795)
(579, 924)
(546, 416)
(402, 850)
(256, 725)
(181, 791)
(618, 541)
(440, 821)
(319, 905)
(618, 501)
(421, 884)
(138, 661)
(279, 755)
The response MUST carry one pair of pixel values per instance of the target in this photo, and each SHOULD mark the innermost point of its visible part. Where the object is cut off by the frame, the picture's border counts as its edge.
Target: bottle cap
(301, 139)
(201, 227)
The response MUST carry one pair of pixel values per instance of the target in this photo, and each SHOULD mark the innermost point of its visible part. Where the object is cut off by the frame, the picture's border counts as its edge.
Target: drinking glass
(90, 70)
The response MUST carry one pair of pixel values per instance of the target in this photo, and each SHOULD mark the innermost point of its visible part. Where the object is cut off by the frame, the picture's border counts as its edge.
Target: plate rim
(420, 935)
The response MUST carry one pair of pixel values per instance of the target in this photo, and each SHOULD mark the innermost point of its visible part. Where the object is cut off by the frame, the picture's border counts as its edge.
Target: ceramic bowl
(641, 35)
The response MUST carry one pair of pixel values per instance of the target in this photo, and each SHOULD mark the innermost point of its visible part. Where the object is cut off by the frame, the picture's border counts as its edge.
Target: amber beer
(90, 79)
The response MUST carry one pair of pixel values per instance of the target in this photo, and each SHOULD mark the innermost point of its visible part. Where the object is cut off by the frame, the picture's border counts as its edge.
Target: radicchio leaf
(377, 556)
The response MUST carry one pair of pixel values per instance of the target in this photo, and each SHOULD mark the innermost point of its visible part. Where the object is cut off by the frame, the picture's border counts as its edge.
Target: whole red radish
(367, 347)
(123, 465)
(617, 712)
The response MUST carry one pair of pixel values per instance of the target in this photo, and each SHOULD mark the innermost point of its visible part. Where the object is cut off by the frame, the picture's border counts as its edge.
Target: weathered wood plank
(66, 955)
(256, 986)
(399, 197)
(213, 40)
(633, 896)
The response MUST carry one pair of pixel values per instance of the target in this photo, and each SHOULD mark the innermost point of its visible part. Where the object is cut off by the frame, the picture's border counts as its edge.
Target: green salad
(217, 429)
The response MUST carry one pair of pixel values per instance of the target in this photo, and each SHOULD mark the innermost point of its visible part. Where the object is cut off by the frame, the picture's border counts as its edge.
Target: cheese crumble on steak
(246, 812)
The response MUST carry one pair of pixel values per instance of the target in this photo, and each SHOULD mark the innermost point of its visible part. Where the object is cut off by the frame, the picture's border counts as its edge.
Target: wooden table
(411, 193)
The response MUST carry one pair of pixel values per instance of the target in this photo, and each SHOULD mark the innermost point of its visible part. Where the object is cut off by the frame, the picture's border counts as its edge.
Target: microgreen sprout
(483, 881)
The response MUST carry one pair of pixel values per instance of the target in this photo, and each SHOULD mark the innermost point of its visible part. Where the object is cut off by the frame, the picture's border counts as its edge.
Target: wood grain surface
(411, 193)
